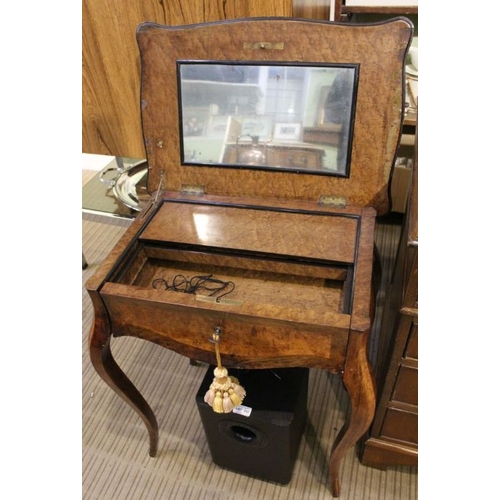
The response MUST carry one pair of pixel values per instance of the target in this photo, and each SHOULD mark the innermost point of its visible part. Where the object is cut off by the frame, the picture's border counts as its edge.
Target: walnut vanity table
(295, 240)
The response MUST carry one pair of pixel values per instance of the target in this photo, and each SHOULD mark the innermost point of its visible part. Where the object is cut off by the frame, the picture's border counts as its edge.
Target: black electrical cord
(192, 285)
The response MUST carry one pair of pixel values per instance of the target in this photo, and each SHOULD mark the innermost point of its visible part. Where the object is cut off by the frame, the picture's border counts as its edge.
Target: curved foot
(111, 373)
(358, 380)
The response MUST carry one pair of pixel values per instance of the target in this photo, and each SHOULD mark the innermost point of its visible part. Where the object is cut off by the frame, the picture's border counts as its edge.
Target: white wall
(95, 162)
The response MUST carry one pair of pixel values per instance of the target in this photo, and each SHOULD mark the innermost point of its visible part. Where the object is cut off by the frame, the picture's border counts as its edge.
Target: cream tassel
(235, 398)
(210, 395)
(227, 403)
(218, 405)
(225, 392)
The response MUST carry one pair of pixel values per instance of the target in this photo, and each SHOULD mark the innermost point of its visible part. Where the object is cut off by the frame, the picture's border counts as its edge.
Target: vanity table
(296, 243)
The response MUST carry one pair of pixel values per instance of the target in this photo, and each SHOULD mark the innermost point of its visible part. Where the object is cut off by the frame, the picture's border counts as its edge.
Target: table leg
(359, 383)
(111, 373)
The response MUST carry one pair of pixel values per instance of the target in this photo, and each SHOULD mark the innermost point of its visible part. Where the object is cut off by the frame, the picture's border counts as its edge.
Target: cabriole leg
(111, 373)
(359, 383)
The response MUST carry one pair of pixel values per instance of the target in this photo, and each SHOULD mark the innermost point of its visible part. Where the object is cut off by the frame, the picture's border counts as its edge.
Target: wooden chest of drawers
(393, 438)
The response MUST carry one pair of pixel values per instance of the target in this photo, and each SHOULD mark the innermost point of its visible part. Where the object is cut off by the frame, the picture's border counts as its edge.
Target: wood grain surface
(111, 122)
(282, 233)
(378, 49)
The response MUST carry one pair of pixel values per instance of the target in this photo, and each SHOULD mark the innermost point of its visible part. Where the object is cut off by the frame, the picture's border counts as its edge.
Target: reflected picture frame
(260, 126)
(288, 131)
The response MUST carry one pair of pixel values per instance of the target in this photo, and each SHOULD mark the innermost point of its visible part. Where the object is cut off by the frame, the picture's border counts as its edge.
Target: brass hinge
(196, 189)
(332, 201)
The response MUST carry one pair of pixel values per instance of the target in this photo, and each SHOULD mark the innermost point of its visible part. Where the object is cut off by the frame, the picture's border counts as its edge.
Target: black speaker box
(261, 437)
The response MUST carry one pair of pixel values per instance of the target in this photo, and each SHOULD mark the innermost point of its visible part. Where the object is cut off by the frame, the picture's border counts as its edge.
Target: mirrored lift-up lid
(274, 108)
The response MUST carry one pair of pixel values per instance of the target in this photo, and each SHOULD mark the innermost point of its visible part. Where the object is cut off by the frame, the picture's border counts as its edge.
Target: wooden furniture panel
(400, 425)
(227, 227)
(378, 49)
(111, 122)
(342, 11)
(412, 347)
(406, 387)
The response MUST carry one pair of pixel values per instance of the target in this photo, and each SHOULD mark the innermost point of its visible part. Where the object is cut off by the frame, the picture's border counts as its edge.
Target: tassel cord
(217, 355)
(216, 339)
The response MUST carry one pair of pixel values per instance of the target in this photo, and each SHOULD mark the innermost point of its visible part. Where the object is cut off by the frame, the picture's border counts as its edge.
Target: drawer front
(246, 341)
(400, 425)
(412, 346)
(406, 388)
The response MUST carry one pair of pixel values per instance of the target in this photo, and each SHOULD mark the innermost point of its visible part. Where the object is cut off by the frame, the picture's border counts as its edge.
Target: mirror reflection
(283, 117)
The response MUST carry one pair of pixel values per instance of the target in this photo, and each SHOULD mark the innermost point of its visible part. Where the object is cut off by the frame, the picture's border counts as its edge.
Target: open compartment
(245, 255)
(225, 278)
(274, 305)
(280, 279)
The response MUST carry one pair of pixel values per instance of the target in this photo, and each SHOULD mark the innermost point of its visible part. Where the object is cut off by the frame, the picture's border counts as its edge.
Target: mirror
(267, 116)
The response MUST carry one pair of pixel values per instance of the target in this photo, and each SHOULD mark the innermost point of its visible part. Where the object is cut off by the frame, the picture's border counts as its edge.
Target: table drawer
(246, 340)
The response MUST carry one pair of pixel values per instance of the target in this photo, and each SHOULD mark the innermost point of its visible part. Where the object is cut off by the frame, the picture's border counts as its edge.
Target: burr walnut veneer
(297, 245)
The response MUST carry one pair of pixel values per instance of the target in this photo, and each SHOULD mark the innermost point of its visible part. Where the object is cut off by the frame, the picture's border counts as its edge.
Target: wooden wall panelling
(111, 122)
(312, 9)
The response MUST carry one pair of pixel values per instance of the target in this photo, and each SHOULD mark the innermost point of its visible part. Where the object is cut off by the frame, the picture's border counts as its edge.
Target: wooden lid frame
(378, 49)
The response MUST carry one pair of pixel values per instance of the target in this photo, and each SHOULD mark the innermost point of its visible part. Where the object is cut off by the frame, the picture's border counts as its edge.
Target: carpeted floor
(116, 464)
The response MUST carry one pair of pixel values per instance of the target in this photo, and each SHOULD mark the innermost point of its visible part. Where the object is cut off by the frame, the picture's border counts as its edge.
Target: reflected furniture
(296, 244)
(279, 155)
